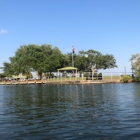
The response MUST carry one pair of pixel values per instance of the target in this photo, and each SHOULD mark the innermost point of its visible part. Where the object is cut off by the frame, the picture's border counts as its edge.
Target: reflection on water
(101, 111)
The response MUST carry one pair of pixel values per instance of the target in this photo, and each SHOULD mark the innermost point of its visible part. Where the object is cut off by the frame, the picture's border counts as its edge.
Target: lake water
(51, 112)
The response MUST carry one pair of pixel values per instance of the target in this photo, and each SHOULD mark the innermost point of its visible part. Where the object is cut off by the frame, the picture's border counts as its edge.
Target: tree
(54, 58)
(2, 75)
(91, 60)
(8, 71)
(105, 62)
(135, 62)
(46, 58)
(42, 59)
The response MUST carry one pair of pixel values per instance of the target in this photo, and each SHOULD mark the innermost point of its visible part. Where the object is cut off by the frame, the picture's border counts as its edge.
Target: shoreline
(62, 82)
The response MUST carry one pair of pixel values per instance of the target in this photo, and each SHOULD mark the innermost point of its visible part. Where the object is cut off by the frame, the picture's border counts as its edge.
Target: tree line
(46, 58)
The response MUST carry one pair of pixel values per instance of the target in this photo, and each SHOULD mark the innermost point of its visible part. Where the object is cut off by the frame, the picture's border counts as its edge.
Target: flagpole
(73, 51)
(72, 60)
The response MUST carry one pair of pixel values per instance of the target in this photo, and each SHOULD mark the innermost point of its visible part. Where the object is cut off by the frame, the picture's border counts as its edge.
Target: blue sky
(107, 26)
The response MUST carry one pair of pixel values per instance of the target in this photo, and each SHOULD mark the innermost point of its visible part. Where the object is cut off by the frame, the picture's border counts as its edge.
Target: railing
(82, 76)
(114, 76)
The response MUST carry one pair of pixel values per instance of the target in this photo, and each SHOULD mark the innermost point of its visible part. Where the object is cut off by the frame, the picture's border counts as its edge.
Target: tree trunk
(40, 75)
(93, 70)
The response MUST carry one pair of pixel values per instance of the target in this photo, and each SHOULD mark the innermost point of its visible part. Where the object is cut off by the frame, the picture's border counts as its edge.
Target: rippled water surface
(51, 112)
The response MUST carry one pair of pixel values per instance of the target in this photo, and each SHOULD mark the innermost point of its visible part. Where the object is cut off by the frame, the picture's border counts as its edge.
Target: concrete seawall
(61, 82)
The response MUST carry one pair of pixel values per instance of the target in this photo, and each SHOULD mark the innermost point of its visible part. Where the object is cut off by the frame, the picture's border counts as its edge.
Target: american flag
(73, 49)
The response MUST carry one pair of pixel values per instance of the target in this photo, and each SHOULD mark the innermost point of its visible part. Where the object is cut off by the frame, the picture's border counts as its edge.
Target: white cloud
(3, 31)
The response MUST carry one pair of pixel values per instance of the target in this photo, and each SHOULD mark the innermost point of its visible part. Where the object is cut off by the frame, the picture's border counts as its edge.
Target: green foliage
(42, 58)
(105, 62)
(46, 58)
(126, 78)
(137, 78)
(2, 75)
(8, 70)
(94, 59)
(135, 62)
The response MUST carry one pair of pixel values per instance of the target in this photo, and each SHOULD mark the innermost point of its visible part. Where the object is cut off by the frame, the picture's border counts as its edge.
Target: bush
(50, 75)
(126, 78)
(137, 78)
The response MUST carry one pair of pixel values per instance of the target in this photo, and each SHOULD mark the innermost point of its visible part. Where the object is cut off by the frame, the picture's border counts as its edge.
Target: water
(51, 112)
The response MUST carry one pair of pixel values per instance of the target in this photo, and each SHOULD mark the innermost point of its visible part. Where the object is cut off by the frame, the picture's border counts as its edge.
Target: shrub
(126, 78)
(137, 78)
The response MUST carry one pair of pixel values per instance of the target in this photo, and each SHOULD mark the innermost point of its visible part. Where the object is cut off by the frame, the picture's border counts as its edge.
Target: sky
(107, 26)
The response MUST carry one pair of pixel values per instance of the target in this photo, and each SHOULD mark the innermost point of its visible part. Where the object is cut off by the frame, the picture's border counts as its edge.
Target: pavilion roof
(68, 68)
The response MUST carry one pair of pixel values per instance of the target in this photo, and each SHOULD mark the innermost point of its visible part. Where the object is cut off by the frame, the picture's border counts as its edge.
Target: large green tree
(91, 60)
(44, 58)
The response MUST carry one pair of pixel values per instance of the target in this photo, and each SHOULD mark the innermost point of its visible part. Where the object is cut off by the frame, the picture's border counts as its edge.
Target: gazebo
(67, 68)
